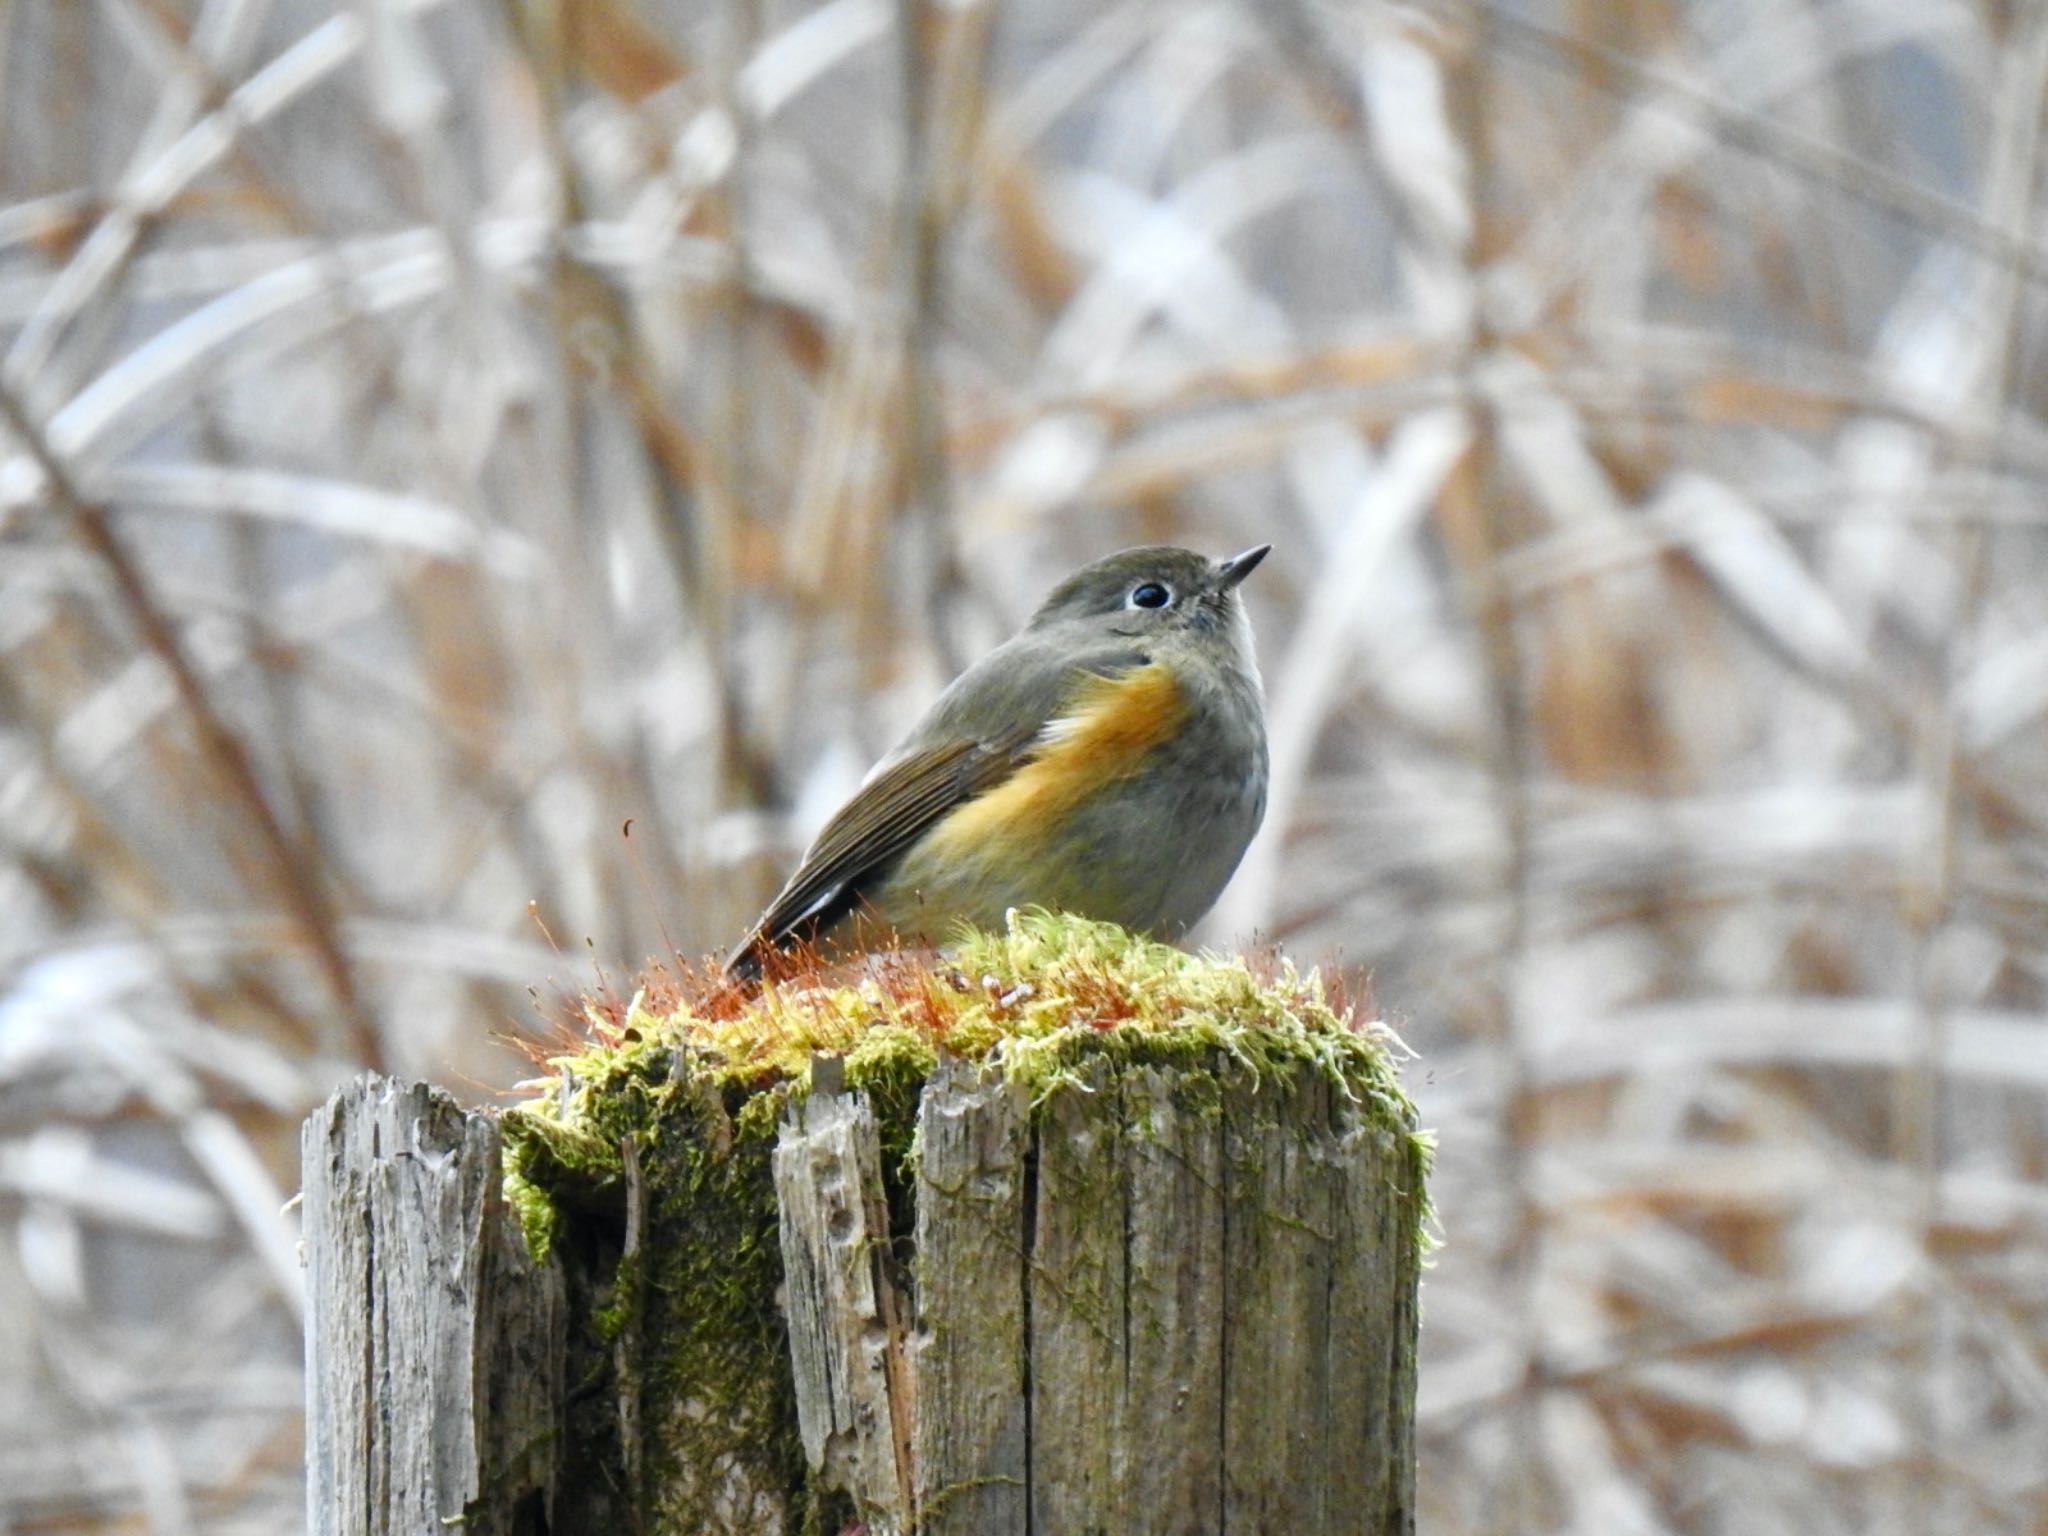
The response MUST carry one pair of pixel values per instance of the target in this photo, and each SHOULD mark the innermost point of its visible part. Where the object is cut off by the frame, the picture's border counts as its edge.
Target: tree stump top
(1061, 1231)
(1047, 1004)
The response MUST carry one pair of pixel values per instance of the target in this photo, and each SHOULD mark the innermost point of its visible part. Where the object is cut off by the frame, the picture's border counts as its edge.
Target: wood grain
(1164, 1301)
(433, 1344)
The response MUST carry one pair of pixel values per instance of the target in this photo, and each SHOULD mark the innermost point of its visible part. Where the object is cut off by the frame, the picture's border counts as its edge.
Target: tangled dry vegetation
(437, 432)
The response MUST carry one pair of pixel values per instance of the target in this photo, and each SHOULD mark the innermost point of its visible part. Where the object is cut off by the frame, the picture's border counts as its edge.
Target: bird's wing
(885, 816)
(941, 766)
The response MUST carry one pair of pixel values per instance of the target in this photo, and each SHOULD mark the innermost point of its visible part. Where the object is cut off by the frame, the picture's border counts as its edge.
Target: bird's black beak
(1230, 572)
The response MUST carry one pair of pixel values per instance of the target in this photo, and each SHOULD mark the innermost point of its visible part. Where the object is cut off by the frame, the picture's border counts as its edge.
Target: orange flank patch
(1104, 732)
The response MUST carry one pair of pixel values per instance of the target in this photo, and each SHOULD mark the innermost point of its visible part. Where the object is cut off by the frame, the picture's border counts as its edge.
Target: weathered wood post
(434, 1345)
(1053, 1256)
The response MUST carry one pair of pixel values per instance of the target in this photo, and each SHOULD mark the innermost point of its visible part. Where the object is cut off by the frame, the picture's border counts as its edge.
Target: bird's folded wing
(949, 759)
(884, 817)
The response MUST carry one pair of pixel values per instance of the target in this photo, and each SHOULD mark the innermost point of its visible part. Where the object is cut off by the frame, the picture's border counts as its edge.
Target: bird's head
(1154, 592)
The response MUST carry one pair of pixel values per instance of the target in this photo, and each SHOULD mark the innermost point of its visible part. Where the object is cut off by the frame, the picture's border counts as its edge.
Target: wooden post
(434, 1348)
(1152, 1307)
(1157, 1301)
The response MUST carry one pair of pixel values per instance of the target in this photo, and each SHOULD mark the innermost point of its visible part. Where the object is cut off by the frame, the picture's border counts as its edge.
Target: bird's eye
(1149, 594)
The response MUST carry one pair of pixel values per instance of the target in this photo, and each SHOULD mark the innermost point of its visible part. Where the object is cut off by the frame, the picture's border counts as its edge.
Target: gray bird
(1108, 760)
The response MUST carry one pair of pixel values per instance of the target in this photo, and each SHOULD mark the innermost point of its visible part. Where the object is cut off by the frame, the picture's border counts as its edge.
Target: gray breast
(1166, 842)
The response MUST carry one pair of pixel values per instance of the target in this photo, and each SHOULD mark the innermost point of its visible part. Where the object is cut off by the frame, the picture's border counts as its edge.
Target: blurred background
(439, 431)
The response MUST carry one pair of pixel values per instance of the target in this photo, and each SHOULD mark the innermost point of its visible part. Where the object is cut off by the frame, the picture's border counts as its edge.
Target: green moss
(710, 1291)
(1053, 1000)
(560, 1166)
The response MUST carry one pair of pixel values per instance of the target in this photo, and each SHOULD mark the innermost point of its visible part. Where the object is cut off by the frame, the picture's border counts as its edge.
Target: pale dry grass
(437, 432)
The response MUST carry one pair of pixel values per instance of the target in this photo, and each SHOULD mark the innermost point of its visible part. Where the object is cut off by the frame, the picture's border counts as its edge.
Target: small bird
(1108, 760)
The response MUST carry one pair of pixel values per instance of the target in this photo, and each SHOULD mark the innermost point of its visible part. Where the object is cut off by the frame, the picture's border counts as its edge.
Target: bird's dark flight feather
(888, 814)
(944, 763)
